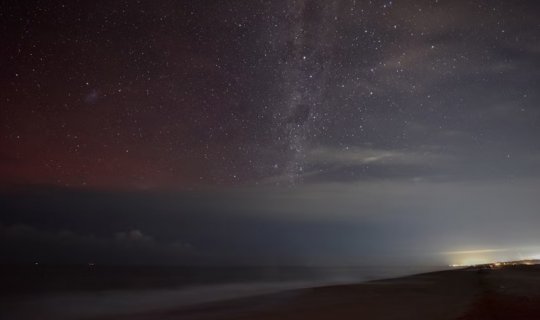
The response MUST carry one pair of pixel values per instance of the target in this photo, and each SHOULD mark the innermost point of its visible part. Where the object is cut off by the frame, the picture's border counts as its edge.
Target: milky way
(182, 95)
(307, 57)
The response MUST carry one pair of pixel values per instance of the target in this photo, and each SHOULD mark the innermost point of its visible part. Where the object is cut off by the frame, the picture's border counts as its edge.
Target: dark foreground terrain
(505, 292)
(509, 292)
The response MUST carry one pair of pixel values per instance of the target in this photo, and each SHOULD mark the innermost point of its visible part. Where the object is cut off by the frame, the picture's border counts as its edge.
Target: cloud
(132, 246)
(351, 221)
(133, 235)
(327, 164)
(360, 156)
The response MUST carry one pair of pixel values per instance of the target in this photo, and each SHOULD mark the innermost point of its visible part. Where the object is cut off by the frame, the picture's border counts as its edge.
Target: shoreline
(482, 292)
(512, 292)
(93, 292)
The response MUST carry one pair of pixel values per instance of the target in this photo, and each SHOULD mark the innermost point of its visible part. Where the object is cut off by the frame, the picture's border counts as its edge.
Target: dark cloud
(376, 221)
(24, 243)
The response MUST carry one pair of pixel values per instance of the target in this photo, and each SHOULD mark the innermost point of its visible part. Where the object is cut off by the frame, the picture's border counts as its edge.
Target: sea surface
(76, 292)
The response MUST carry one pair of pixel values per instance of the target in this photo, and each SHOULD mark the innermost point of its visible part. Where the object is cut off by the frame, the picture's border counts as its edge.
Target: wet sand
(511, 292)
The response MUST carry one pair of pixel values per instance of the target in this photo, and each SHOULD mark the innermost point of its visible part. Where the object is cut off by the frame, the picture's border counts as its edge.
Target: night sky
(269, 132)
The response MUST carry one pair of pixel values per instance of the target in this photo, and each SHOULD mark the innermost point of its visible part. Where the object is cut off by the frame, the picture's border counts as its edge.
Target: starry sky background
(269, 132)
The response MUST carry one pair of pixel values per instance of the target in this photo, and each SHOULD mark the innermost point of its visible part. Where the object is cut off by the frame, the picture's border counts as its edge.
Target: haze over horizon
(270, 132)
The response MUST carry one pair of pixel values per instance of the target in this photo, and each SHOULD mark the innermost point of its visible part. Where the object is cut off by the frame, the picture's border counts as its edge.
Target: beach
(510, 292)
(472, 293)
